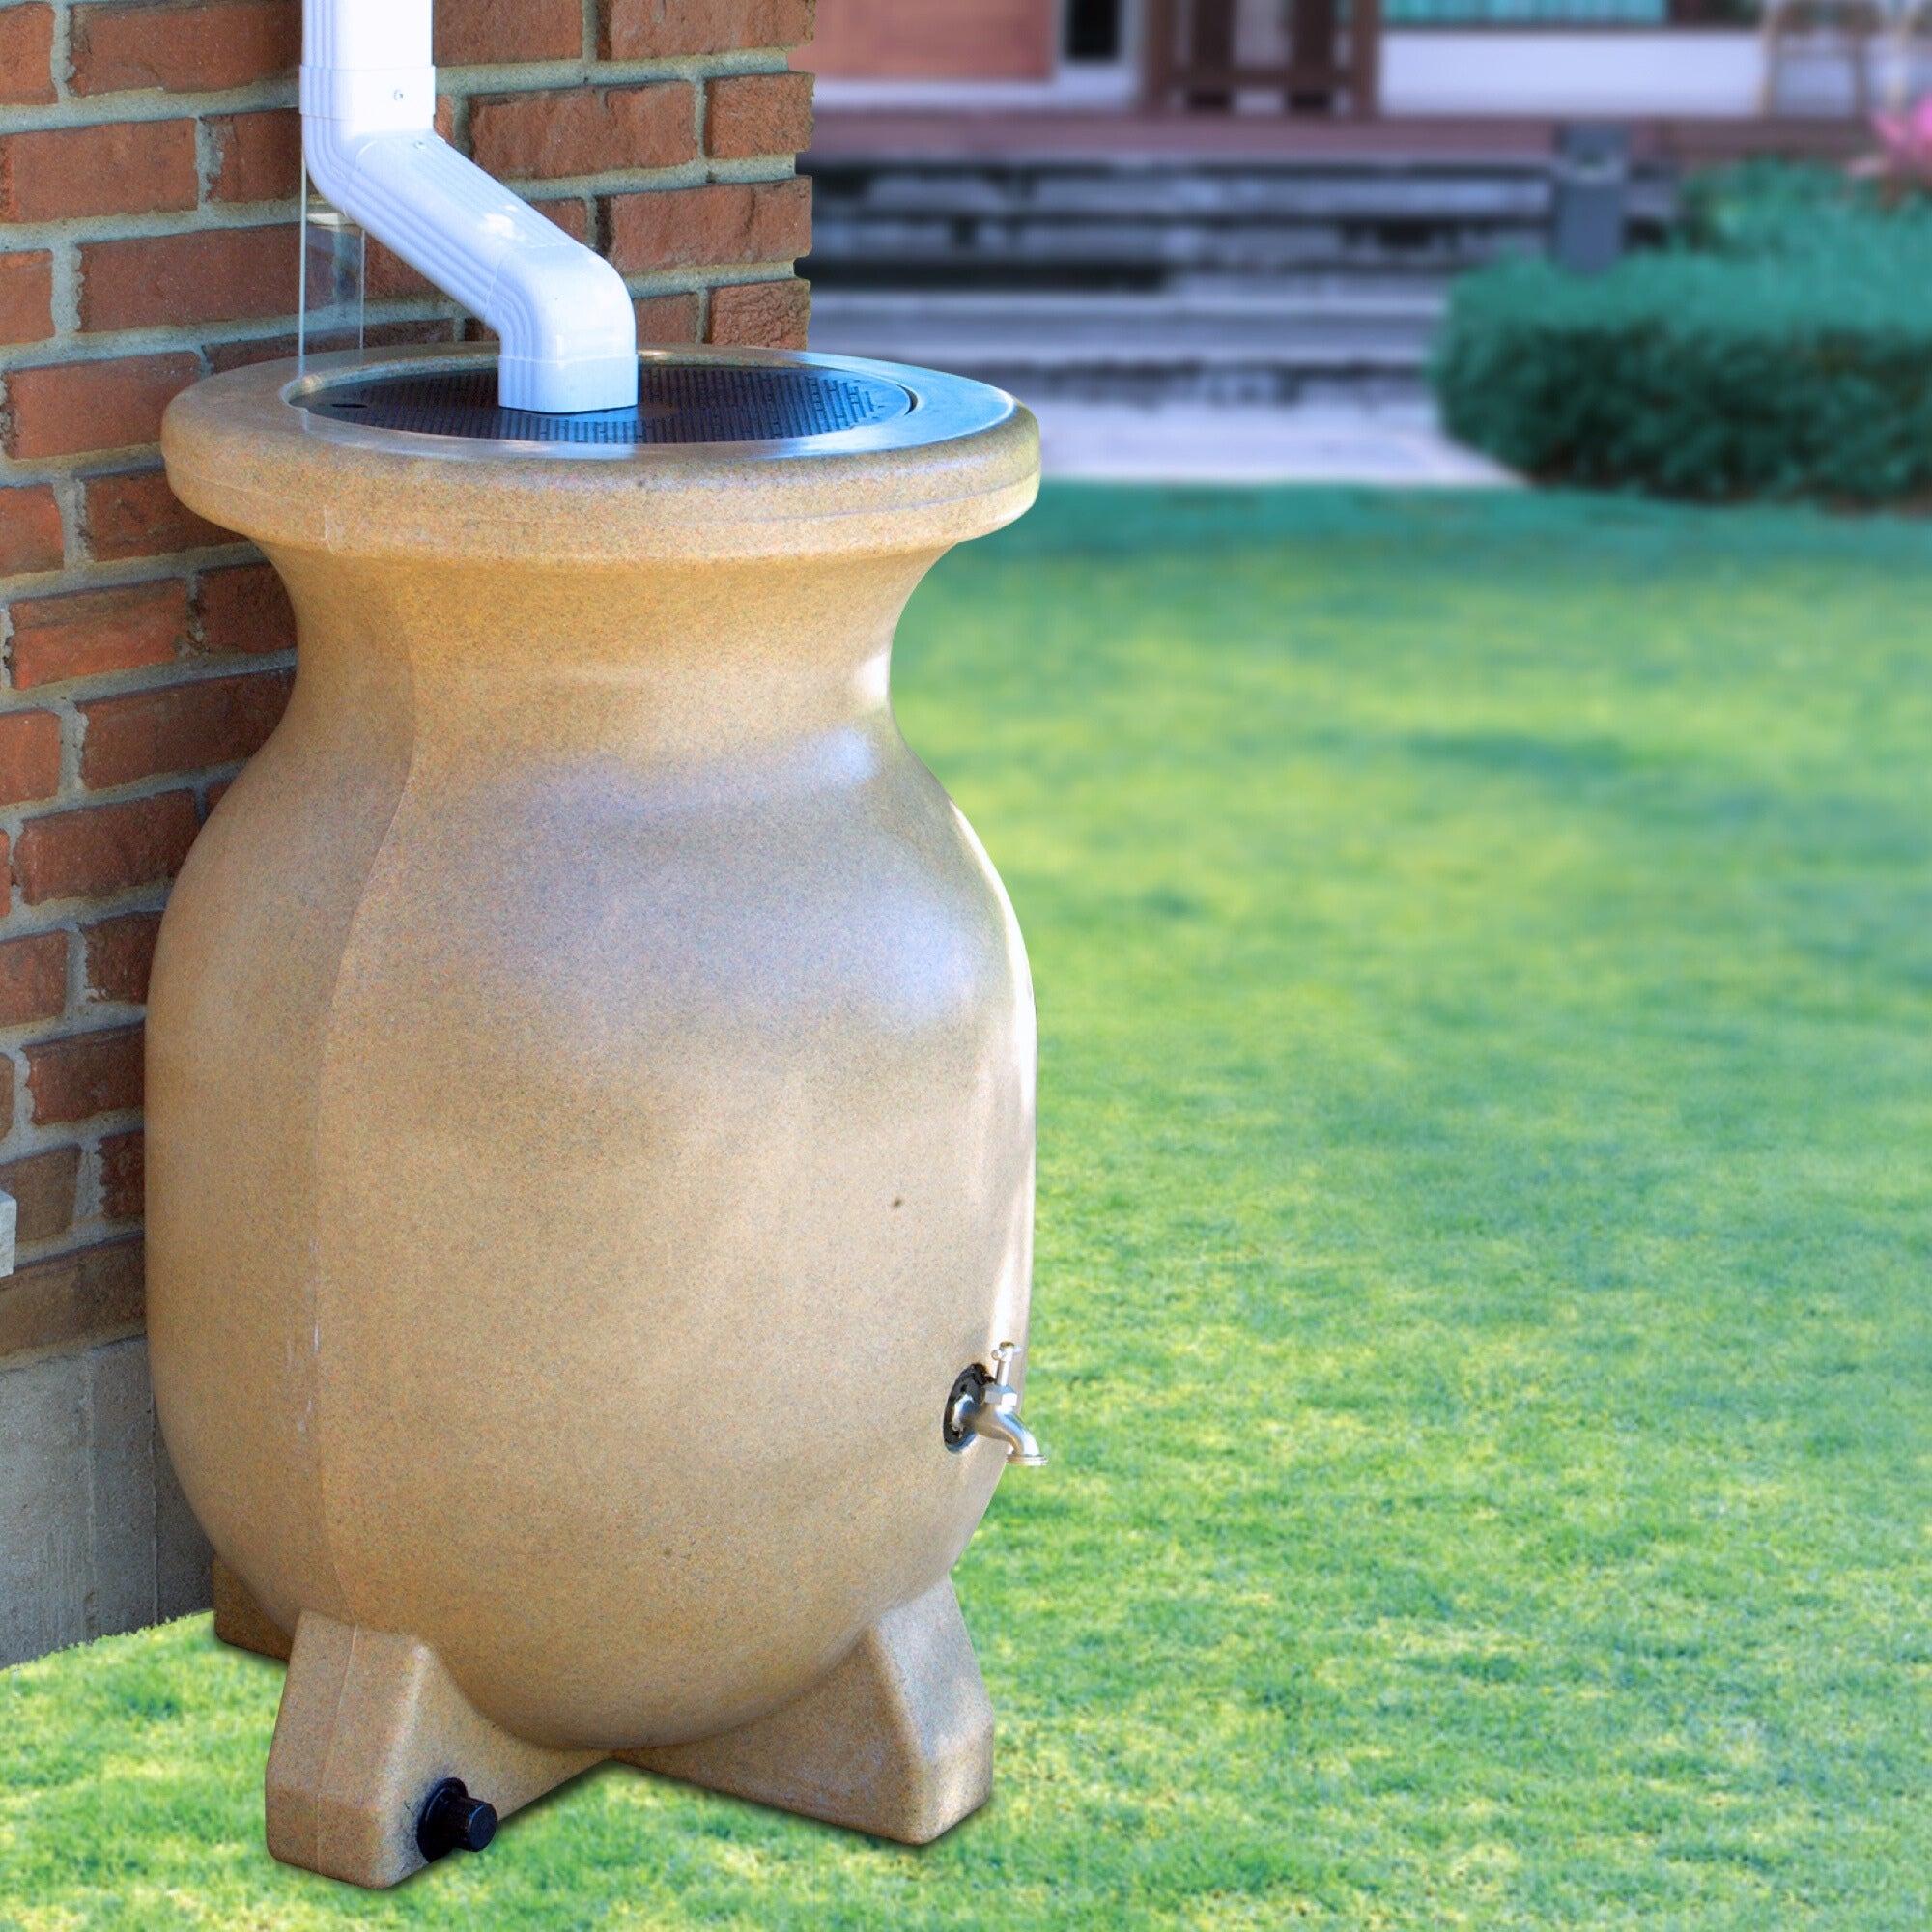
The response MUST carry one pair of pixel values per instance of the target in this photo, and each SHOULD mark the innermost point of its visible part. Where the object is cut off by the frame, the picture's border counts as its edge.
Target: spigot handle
(1002, 1358)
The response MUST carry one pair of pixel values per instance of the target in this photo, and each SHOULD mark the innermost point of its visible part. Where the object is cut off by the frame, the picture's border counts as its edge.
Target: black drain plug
(453, 1821)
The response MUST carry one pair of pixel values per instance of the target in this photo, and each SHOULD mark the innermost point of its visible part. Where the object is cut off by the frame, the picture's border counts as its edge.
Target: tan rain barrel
(591, 1103)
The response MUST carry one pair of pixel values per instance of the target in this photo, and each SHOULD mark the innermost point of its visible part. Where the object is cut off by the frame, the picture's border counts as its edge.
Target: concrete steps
(1169, 278)
(1264, 340)
(1081, 222)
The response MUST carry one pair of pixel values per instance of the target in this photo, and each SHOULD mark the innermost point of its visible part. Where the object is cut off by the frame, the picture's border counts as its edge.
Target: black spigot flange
(453, 1821)
(970, 1386)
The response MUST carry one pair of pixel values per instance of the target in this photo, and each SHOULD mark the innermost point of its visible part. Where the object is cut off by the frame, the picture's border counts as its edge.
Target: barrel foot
(371, 1736)
(897, 1742)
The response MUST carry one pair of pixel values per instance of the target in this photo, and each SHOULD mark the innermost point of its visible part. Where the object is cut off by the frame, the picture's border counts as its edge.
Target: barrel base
(897, 1742)
(370, 1725)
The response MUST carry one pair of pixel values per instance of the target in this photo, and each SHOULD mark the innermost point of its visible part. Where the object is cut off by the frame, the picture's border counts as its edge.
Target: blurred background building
(1114, 206)
(1401, 58)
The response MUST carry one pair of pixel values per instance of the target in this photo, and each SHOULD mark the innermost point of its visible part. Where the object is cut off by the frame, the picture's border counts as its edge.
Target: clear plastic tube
(335, 281)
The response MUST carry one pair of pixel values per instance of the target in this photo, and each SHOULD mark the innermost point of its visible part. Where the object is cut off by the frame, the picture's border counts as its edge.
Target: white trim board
(1612, 71)
(1098, 88)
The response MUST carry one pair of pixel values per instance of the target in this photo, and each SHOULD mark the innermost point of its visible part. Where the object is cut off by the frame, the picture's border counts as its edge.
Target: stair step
(840, 244)
(1149, 281)
(1231, 387)
(1123, 348)
(1141, 222)
(1262, 313)
(1195, 194)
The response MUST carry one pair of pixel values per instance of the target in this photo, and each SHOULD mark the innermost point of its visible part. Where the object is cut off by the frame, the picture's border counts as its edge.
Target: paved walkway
(1395, 444)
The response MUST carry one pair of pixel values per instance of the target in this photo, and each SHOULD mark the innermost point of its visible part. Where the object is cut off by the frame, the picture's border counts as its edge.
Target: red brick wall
(936, 39)
(148, 156)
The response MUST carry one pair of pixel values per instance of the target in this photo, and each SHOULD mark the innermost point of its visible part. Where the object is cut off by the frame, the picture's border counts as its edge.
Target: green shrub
(1762, 207)
(1782, 348)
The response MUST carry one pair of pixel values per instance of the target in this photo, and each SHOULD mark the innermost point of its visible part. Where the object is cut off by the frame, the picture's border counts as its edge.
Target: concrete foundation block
(95, 1535)
(46, 1529)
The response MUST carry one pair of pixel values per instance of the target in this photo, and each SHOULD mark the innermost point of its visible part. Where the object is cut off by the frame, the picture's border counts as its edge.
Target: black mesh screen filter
(678, 403)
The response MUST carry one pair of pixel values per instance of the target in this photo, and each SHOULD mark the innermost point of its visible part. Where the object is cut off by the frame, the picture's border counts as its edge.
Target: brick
(245, 608)
(124, 1176)
(44, 1186)
(120, 956)
(387, 276)
(76, 1298)
(226, 356)
(70, 408)
(30, 530)
(30, 755)
(182, 728)
(26, 296)
(749, 114)
(585, 130)
(122, 167)
(84, 1074)
(95, 631)
(761, 315)
(662, 29)
(133, 513)
(220, 274)
(492, 33)
(106, 848)
(724, 225)
(258, 157)
(33, 982)
(571, 216)
(26, 56)
(667, 319)
(194, 49)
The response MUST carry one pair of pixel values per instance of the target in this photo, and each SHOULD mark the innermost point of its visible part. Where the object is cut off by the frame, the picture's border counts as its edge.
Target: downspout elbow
(569, 333)
(368, 96)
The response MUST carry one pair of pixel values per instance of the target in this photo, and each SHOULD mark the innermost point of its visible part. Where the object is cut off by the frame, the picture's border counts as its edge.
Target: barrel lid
(729, 452)
(678, 403)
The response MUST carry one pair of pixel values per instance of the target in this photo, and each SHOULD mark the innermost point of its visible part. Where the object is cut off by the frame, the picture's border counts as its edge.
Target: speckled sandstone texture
(590, 1107)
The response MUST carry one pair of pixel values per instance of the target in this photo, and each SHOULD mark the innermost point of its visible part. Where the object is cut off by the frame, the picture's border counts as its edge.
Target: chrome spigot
(990, 1406)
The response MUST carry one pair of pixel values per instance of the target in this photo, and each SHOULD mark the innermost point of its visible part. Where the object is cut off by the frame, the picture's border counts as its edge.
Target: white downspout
(368, 101)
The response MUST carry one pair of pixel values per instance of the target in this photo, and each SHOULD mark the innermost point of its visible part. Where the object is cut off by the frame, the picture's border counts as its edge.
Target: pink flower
(1905, 147)
(1907, 139)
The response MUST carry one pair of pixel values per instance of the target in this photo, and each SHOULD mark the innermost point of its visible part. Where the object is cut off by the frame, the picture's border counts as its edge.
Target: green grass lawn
(1484, 961)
